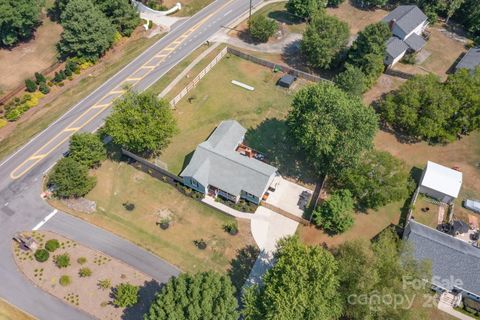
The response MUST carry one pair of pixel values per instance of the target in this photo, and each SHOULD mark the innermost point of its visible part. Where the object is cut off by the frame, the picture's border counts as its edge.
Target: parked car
(473, 205)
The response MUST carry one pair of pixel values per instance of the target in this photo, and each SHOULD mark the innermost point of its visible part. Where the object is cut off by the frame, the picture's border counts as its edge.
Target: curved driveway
(21, 207)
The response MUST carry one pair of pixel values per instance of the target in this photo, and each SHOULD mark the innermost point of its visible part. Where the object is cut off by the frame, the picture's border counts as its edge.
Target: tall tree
(422, 109)
(305, 8)
(336, 213)
(87, 32)
(301, 285)
(18, 19)
(469, 16)
(121, 13)
(88, 149)
(452, 7)
(206, 295)
(141, 123)
(323, 39)
(377, 180)
(70, 179)
(262, 28)
(351, 80)
(331, 127)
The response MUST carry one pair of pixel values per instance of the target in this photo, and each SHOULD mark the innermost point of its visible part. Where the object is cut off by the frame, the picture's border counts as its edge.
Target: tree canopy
(378, 179)
(335, 215)
(301, 285)
(70, 179)
(206, 295)
(87, 33)
(331, 127)
(324, 38)
(121, 14)
(88, 149)
(18, 19)
(351, 80)
(261, 28)
(368, 51)
(141, 123)
(305, 8)
(421, 109)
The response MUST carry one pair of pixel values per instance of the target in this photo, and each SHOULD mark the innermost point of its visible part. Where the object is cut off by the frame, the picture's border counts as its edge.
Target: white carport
(440, 182)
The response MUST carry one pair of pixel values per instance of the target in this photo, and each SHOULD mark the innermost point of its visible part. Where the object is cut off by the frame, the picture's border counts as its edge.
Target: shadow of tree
(283, 16)
(271, 138)
(241, 266)
(146, 295)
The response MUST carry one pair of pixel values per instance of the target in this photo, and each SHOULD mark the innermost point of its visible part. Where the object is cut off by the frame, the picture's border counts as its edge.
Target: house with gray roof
(223, 166)
(455, 263)
(470, 60)
(407, 24)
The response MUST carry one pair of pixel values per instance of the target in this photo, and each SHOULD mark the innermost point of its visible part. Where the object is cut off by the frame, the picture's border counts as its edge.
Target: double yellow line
(106, 101)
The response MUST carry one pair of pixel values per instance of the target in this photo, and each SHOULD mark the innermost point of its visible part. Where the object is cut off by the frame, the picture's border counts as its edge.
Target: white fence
(197, 79)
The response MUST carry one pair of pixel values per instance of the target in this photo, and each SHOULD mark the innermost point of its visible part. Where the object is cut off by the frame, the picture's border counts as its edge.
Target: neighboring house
(407, 24)
(440, 182)
(470, 60)
(455, 263)
(219, 168)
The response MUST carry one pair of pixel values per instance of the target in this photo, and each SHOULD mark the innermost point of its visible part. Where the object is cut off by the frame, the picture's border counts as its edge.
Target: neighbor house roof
(451, 258)
(396, 47)
(415, 42)
(470, 60)
(215, 162)
(407, 18)
(442, 179)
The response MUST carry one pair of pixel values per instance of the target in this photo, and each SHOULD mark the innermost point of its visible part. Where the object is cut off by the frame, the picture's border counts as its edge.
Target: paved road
(21, 207)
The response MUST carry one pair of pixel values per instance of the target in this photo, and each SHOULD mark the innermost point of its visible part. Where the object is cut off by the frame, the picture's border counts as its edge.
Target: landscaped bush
(43, 87)
(104, 284)
(164, 223)
(126, 295)
(62, 260)
(82, 260)
(231, 228)
(200, 244)
(31, 85)
(40, 78)
(129, 206)
(85, 272)
(41, 255)
(241, 205)
(64, 280)
(52, 245)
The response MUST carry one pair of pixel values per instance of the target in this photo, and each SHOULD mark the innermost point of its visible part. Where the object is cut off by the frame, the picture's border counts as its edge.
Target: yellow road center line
(37, 158)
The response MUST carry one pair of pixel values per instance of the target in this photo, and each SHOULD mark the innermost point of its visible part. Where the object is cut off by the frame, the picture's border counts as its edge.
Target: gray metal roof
(415, 42)
(407, 18)
(396, 47)
(215, 162)
(470, 60)
(451, 258)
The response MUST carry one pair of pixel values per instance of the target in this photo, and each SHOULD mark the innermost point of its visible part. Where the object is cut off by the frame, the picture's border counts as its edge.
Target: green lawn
(279, 13)
(261, 111)
(119, 183)
(25, 130)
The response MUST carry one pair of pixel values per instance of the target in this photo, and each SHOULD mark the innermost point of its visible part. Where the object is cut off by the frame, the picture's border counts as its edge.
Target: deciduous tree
(335, 215)
(206, 295)
(331, 127)
(323, 39)
(88, 149)
(262, 28)
(351, 80)
(121, 14)
(70, 179)
(87, 33)
(18, 20)
(141, 123)
(305, 8)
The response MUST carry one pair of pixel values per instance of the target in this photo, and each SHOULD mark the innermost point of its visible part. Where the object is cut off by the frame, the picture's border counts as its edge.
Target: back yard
(120, 183)
(357, 19)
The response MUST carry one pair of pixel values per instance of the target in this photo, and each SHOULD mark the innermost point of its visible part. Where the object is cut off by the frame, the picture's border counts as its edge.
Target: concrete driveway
(287, 195)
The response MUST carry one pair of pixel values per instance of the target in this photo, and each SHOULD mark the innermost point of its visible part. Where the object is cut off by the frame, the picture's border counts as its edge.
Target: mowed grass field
(215, 99)
(9, 312)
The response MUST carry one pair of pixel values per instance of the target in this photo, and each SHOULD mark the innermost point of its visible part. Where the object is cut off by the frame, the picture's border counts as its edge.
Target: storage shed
(286, 81)
(440, 182)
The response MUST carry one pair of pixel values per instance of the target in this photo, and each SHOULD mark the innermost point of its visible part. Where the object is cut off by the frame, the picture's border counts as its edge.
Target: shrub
(40, 78)
(84, 272)
(129, 206)
(3, 122)
(31, 85)
(164, 223)
(64, 280)
(41, 255)
(13, 114)
(44, 88)
(62, 260)
(150, 24)
(82, 260)
(52, 245)
(125, 295)
(261, 28)
(200, 244)
(104, 284)
(231, 228)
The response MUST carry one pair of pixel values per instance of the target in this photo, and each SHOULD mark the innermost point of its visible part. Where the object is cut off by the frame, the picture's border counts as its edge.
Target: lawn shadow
(283, 16)
(146, 295)
(241, 266)
(271, 138)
